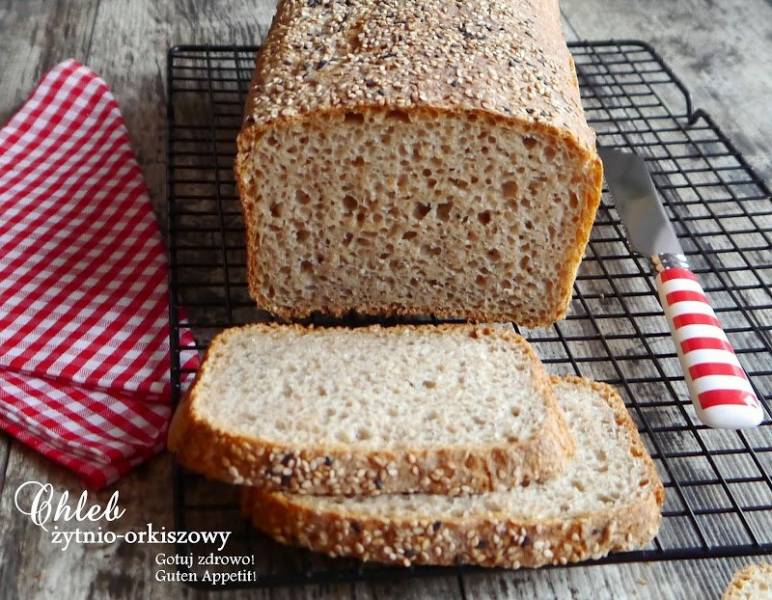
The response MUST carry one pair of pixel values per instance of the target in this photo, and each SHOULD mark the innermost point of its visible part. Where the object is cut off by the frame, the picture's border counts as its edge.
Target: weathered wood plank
(568, 29)
(721, 51)
(32, 24)
(31, 566)
(37, 35)
(129, 50)
(33, 47)
(656, 581)
(5, 449)
(29, 46)
(446, 588)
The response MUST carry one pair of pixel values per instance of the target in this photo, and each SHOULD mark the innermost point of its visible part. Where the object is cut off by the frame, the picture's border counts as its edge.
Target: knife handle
(718, 385)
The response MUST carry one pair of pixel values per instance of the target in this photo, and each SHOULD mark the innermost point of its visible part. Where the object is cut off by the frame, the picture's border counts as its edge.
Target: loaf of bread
(753, 582)
(446, 409)
(608, 498)
(422, 157)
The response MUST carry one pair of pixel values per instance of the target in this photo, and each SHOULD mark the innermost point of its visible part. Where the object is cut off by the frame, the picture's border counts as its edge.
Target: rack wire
(718, 486)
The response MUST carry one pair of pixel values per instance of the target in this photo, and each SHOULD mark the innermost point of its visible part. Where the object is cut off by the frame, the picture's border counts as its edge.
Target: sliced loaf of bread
(444, 409)
(608, 498)
(416, 157)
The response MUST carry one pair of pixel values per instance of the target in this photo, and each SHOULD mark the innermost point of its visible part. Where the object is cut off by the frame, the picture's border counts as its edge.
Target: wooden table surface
(721, 50)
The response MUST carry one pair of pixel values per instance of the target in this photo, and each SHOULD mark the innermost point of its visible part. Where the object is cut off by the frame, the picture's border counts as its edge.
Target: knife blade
(650, 231)
(719, 388)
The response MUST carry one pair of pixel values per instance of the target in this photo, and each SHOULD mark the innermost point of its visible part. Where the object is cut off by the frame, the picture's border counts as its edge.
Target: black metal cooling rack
(718, 486)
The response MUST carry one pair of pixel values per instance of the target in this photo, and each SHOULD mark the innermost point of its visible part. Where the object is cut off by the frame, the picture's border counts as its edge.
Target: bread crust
(564, 123)
(741, 578)
(339, 470)
(495, 540)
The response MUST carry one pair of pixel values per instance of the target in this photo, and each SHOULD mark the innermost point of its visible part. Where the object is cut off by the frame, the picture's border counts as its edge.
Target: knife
(718, 385)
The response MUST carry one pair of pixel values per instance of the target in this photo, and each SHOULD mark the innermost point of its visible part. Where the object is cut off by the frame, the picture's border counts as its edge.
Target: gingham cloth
(84, 315)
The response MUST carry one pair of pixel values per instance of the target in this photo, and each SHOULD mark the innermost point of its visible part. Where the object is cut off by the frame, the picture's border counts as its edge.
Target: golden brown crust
(523, 46)
(338, 470)
(494, 540)
(507, 59)
(734, 590)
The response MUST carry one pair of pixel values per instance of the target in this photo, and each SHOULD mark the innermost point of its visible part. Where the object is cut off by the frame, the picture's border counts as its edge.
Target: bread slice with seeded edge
(416, 158)
(441, 409)
(753, 582)
(608, 498)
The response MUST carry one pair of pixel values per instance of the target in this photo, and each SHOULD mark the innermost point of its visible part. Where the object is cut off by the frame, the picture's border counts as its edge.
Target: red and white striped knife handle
(718, 385)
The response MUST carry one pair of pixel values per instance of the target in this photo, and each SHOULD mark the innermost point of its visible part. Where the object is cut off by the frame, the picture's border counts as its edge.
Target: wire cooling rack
(718, 487)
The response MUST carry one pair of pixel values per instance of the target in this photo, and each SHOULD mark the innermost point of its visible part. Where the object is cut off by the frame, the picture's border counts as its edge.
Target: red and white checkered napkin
(84, 315)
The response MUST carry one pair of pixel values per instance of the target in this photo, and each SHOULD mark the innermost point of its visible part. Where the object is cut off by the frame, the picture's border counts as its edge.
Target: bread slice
(753, 582)
(416, 158)
(608, 498)
(439, 409)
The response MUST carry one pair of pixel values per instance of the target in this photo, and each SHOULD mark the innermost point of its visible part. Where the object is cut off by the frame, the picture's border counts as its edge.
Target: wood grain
(722, 52)
(38, 34)
(32, 567)
(27, 53)
(642, 581)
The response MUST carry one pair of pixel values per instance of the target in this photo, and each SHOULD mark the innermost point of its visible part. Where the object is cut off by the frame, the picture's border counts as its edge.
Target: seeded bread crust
(494, 541)
(336, 470)
(738, 588)
(529, 83)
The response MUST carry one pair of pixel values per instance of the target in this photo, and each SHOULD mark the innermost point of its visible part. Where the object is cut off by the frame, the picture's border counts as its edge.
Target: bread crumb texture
(608, 498)
(424, 157)
(753, 582)
(441, 409)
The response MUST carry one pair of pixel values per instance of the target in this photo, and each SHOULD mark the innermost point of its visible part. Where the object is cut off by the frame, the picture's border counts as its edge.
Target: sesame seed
(475, 61)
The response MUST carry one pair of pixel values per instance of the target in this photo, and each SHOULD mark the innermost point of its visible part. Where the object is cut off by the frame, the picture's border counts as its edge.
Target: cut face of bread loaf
(414, 158)
(608, 498)
(446, 409)
(754, 582)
